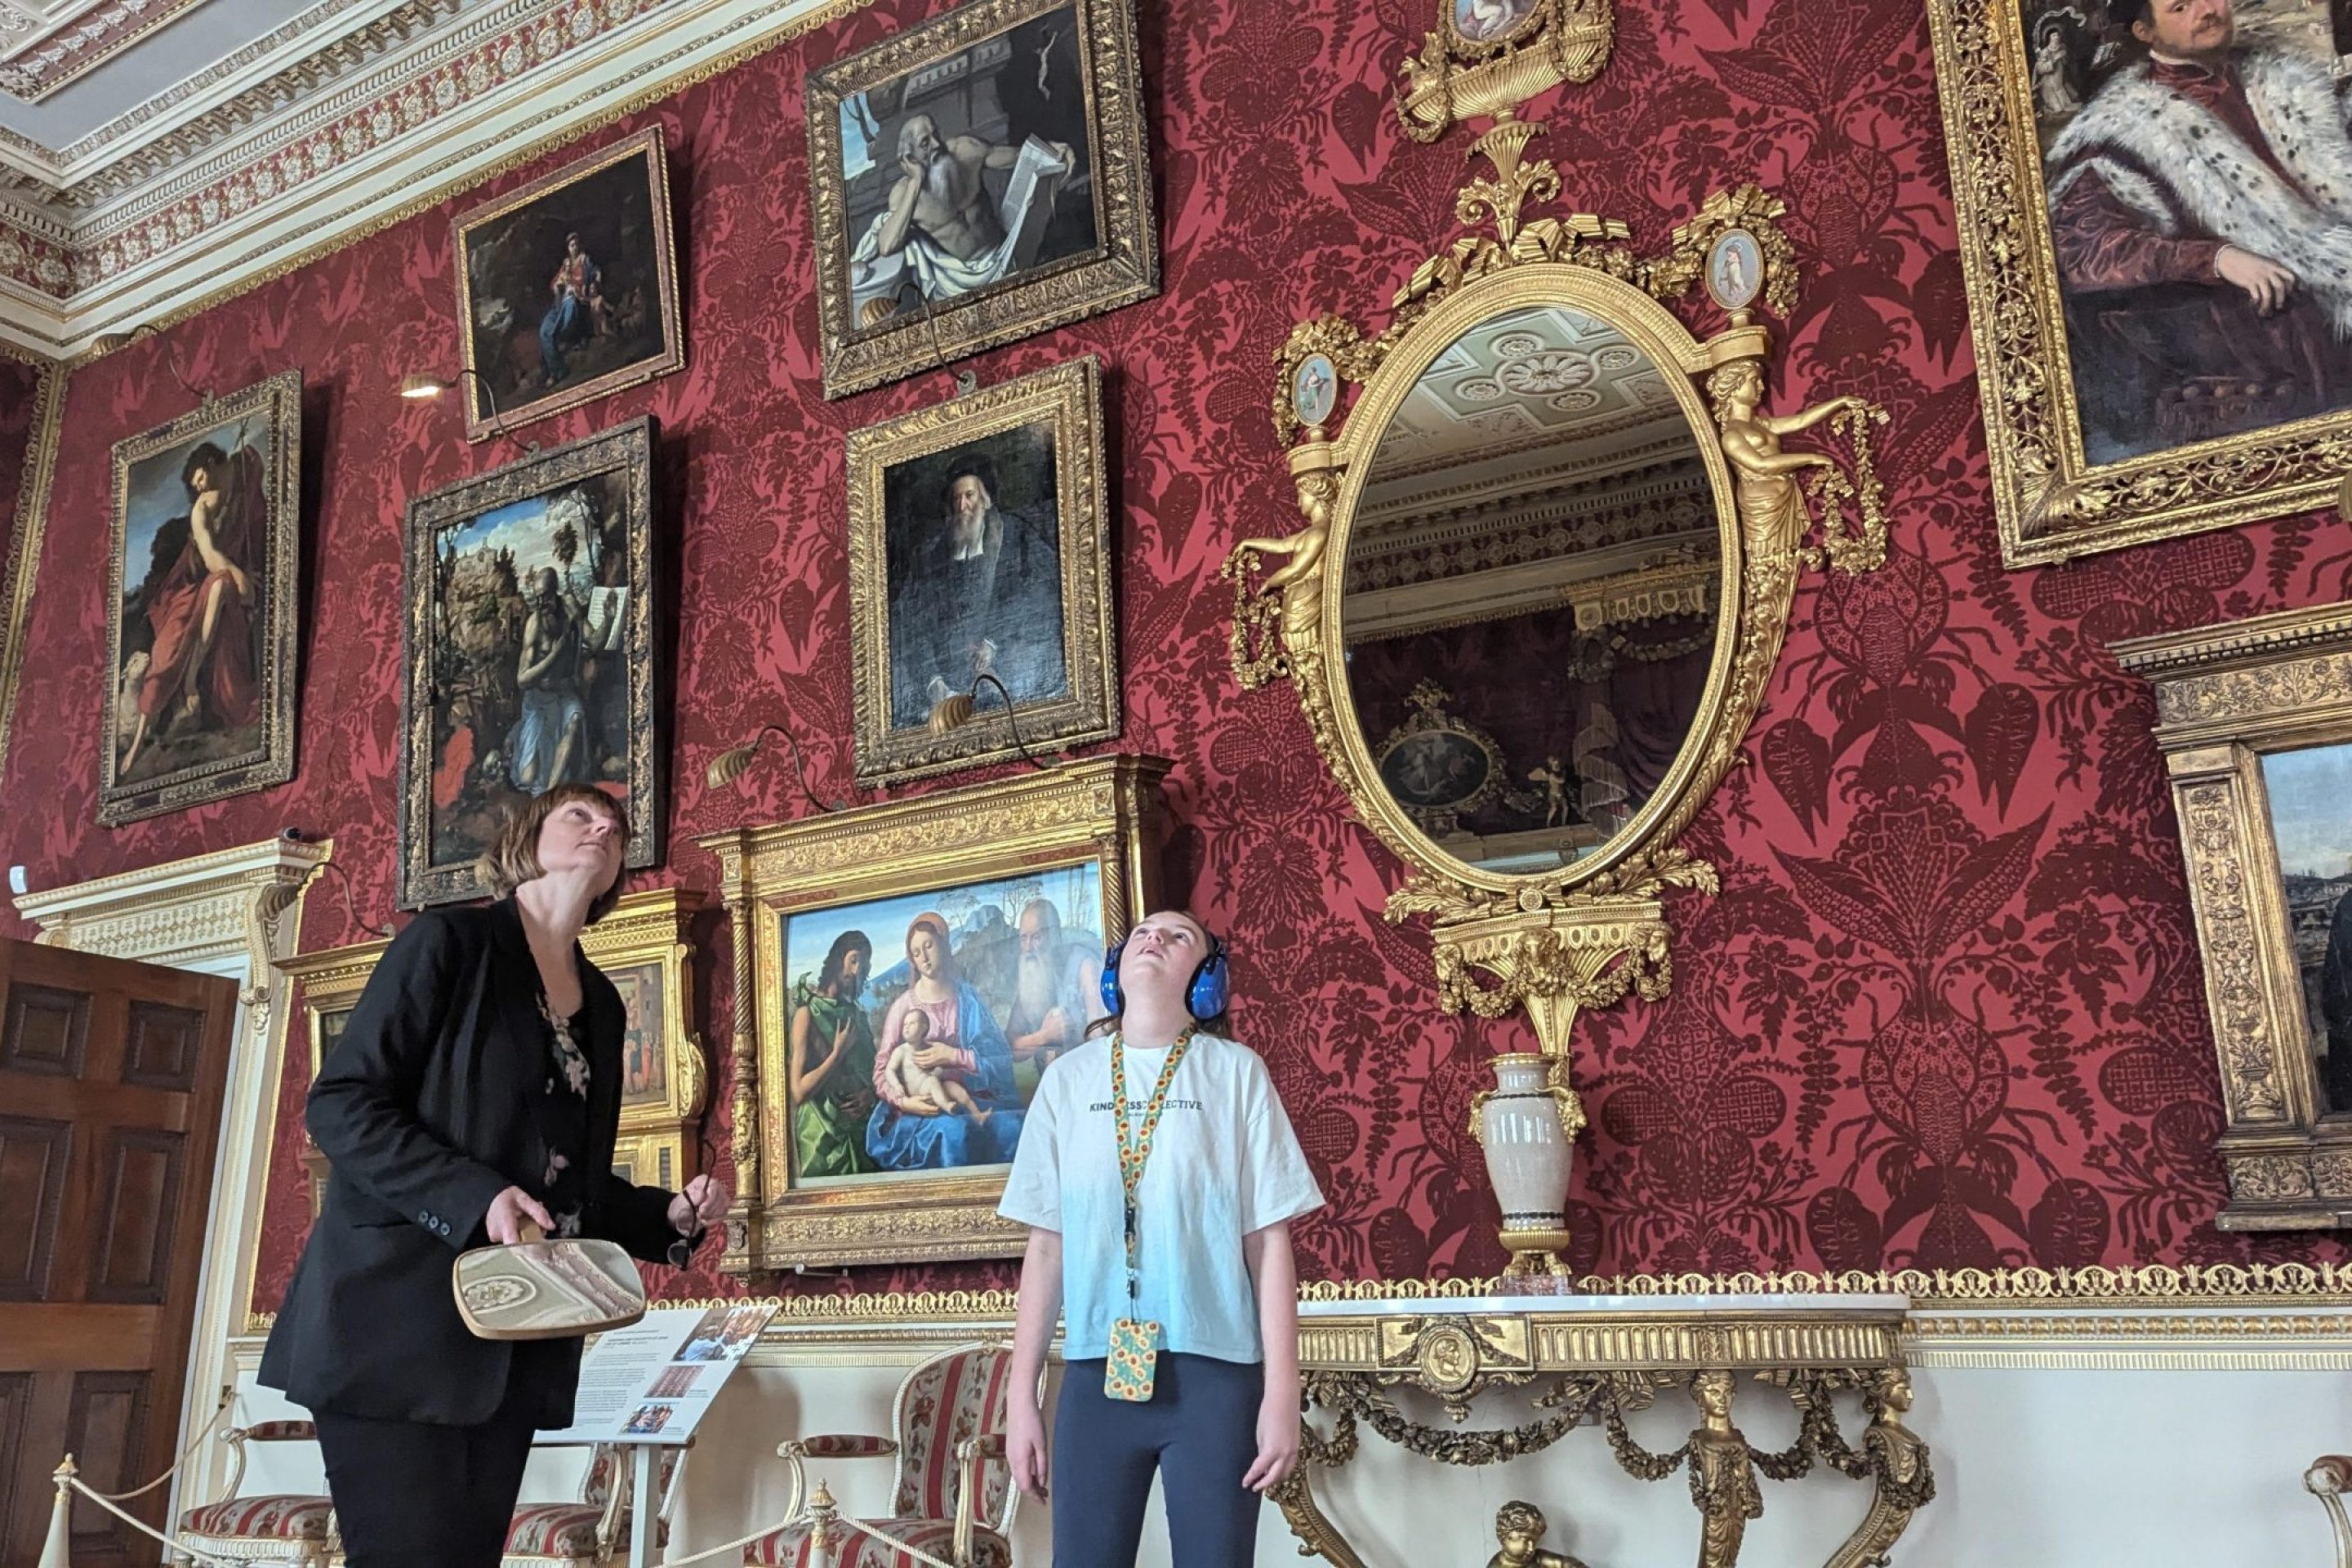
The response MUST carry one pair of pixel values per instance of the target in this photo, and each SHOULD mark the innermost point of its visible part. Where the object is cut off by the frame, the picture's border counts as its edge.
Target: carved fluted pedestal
(1587, 1360)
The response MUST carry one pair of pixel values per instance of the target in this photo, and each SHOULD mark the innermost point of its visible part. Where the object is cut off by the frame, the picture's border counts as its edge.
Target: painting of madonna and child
(921, 1025)
(2197, 169)
(568, 287)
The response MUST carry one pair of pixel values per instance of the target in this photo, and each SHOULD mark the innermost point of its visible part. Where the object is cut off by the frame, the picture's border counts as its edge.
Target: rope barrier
(210, 1430)
(53, 1554)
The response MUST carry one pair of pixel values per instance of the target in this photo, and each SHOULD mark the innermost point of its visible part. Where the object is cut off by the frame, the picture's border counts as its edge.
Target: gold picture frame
(1034, 449)
(969, 72)
(643, 947)
(628, 315)
(2053, 499)
(2245, 712)
(329, 982)
(577, 520)
(962, 853)
(190, 724)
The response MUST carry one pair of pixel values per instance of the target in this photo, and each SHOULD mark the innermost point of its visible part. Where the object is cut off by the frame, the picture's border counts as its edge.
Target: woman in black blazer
(478, 1084)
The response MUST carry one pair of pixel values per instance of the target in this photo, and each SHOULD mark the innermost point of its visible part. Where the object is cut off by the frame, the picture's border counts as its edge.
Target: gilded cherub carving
(1521, 1526)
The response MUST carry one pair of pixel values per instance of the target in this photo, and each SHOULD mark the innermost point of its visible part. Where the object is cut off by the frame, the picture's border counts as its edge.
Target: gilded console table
(1592, 1359)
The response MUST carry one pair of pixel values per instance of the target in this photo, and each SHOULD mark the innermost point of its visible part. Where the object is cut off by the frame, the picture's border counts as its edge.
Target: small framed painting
(567, 289)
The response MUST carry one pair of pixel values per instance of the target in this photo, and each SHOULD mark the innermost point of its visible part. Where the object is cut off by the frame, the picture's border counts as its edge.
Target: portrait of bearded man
(1056, 993)
(976, 584)
(976, 177)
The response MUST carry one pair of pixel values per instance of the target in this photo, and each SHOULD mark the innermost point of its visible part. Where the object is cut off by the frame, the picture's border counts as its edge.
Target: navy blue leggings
(1199, 1430)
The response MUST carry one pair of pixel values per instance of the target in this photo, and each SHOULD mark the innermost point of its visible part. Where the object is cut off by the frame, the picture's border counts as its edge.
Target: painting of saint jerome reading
(204, 607)
(2199, 171)
(958, 180)
(974, 179)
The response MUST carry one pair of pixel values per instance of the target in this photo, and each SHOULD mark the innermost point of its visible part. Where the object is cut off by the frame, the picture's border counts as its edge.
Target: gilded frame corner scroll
(2227, 698)
(1589, 932)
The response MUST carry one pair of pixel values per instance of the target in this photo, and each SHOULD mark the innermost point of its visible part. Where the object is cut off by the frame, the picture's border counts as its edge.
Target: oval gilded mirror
(1532, 588)
(1541, 584)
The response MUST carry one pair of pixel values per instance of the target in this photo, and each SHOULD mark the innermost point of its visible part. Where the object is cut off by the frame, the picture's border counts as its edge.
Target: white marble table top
(1790, 1303)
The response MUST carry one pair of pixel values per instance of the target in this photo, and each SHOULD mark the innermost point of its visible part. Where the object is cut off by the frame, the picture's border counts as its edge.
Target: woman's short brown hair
(513, 859)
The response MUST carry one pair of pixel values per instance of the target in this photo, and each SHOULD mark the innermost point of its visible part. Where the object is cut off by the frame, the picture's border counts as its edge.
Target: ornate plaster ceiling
(1540, 450)
(156, 153)
(1532, 399)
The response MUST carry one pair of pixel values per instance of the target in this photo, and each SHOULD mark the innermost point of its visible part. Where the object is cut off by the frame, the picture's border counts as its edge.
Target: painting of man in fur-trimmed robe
(2199, 169)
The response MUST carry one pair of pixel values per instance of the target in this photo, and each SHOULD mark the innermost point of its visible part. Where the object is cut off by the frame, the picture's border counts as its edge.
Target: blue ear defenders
(1206, 998)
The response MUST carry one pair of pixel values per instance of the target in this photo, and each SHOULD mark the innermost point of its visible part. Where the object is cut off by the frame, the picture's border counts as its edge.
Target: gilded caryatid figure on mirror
(1550, 541)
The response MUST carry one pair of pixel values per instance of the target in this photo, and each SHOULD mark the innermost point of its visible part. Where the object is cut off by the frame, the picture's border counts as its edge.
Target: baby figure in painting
(919, 1083)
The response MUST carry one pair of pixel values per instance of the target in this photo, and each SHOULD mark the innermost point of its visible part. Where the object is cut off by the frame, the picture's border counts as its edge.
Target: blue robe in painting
(901, 1142)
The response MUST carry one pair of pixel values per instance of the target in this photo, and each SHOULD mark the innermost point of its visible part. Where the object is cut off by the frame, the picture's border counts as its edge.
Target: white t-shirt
(1225, 1162)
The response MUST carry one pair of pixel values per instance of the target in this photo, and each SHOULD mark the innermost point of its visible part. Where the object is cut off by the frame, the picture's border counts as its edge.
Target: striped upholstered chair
(595, 1529)
(298, 1528)
(953, 1499)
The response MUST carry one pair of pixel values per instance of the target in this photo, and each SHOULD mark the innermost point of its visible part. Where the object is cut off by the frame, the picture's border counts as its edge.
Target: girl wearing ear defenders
(1158, 1175)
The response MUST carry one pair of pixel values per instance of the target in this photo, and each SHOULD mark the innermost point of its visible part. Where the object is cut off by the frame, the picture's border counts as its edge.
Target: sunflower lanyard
(1134, 1351)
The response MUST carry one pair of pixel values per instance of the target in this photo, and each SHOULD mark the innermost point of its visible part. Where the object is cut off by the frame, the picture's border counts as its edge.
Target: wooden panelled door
(111, 1084)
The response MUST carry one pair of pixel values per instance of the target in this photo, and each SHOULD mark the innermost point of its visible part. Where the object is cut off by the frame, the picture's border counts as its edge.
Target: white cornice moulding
(213, 892)
(653, 54)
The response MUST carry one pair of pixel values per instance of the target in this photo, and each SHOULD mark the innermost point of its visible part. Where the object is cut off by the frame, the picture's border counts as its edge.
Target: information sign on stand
(648, 1386)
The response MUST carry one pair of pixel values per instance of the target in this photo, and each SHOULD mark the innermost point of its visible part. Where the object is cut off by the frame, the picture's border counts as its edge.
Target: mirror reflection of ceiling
(1532, 590)
(149, 147)
(1539, 448)
(1548, 395)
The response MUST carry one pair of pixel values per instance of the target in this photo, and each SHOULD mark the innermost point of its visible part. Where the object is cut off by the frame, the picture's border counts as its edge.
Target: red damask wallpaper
(1947, 1009)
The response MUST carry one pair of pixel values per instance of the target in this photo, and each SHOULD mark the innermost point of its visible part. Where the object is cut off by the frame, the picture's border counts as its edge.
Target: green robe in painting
(828, 1136)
